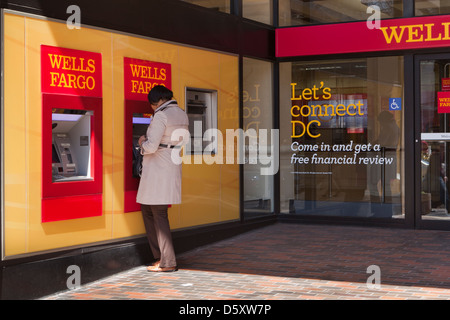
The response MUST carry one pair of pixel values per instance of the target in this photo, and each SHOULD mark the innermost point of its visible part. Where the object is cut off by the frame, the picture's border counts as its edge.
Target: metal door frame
(419, 223)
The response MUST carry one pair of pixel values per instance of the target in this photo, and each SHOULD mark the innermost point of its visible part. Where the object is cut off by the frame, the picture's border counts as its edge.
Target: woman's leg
(164, 236)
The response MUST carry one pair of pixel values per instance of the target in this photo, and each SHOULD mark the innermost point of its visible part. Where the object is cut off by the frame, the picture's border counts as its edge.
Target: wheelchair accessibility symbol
(395, 104)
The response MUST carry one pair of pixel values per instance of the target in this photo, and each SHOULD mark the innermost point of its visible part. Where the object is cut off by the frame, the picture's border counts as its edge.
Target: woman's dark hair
(159, 92)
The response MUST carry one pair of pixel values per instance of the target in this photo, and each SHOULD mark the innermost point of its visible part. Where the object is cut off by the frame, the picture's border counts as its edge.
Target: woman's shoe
(159, 269)
(156, 263)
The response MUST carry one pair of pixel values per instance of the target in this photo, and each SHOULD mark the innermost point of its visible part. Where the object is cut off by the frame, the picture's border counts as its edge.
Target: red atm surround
(131, 183)
(71, 79)
(139, 77)
(72, 199)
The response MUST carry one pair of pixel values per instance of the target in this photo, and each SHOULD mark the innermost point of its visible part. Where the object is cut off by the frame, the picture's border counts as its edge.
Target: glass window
(431, 7)
(299, 12)
(258, 10)
(219, 5)
(258, 111)
(341, 124)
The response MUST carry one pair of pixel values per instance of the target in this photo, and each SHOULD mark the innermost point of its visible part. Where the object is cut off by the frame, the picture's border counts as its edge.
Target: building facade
(318, 111)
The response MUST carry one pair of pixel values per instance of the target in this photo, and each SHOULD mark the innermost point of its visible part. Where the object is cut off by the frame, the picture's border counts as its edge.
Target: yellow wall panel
(210, 192)
(201, 195)
(44, 236)
(130, 223)
(15, 153)
(199, 68)
(201, 182)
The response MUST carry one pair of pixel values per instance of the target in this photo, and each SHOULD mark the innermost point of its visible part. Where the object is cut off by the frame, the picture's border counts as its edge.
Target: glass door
(433, 98)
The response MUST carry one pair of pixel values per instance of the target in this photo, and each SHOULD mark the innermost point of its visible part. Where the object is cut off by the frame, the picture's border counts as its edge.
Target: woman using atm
(160, 183)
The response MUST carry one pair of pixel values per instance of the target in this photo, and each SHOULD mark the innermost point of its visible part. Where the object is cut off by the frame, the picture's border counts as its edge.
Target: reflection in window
(258, 10)
(71, 152)
(341, 141)
(258, 110)
(219, 5)
(431, 7)
(299, 12)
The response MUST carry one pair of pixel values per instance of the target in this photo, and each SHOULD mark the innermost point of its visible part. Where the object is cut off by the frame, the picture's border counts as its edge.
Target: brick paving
(294, 262)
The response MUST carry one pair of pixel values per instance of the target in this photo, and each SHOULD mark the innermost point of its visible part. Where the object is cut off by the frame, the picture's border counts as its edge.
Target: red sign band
(140, 76)
(69, 71)
(393, 34)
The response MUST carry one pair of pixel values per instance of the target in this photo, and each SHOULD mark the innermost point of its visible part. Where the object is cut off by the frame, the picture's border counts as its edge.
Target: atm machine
(72, 134)
(72, 157)
(201, 109)
(70, 145)
(141, 121)
(138, 115)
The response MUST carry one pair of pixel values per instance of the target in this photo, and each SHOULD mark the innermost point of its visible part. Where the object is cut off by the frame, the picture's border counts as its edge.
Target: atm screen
(141, 121)
(71, 155)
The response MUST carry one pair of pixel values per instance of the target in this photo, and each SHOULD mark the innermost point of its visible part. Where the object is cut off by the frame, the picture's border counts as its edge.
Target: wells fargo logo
(68, 71)
(140, 76)
(425, 32)
(317, 110)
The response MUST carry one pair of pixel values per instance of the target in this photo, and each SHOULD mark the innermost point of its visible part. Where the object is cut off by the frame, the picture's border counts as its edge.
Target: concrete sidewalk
(291, 262)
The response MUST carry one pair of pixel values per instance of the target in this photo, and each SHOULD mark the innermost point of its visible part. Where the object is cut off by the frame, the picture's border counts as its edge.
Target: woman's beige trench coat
(160, 181)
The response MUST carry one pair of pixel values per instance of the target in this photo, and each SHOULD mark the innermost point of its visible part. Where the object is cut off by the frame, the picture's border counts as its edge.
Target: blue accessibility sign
(395, 104)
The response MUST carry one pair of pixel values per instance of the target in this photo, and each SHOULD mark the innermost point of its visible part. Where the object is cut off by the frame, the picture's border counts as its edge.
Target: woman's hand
(141, 140)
